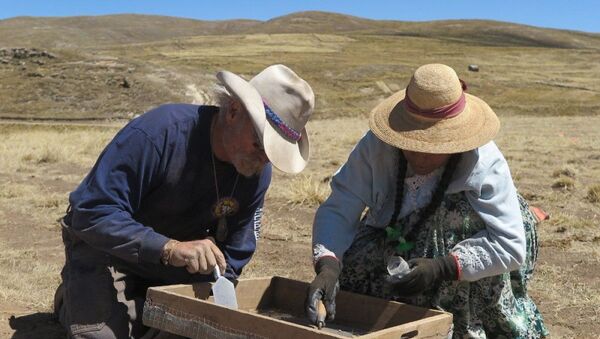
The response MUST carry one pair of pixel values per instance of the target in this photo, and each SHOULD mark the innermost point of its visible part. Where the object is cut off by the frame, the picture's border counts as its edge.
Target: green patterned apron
(492, 307)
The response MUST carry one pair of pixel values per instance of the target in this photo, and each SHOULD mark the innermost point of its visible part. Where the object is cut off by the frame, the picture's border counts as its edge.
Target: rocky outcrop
(18, 53)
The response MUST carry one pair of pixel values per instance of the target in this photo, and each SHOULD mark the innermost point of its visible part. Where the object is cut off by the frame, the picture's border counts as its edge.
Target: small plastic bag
(397, 267)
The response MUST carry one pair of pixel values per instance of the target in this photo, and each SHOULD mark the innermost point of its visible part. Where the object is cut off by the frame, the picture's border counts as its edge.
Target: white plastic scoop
(223, 291)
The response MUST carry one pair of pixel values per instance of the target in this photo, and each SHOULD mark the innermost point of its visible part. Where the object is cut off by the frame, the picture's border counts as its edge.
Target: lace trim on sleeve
(320, 251)
(471, 259)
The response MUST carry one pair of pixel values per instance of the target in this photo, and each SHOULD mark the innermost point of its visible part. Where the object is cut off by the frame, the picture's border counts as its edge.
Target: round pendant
(225, 207)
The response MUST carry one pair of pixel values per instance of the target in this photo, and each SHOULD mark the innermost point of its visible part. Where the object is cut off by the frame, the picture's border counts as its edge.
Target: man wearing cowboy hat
(178, 191)
(439, 194)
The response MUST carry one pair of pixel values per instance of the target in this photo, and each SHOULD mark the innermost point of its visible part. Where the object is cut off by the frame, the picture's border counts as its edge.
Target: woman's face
(424, 163)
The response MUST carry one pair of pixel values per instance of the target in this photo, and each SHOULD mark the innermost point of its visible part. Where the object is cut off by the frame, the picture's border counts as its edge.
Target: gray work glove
(324, 287)
(426, 274)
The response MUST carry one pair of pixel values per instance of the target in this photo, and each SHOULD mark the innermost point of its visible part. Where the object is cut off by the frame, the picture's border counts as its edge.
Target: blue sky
(581, 15)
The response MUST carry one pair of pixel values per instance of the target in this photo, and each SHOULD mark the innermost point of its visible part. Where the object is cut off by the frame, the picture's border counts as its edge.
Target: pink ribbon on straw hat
(443, 112)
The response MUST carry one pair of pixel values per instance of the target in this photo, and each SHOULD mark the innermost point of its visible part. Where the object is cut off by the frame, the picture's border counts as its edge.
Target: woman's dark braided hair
(438, 195)
(399, 187)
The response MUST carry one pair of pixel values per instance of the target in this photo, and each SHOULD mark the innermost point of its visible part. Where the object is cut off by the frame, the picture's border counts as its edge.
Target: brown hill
(484, 32)
(123, 29)
(84, 31)
(118, 66)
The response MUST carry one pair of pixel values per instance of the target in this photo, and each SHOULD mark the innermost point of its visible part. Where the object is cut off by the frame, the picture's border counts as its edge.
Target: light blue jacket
(368, 179)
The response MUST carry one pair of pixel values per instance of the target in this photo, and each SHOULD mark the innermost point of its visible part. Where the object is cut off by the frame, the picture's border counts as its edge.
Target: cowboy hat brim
(476, 125)
(285, 154)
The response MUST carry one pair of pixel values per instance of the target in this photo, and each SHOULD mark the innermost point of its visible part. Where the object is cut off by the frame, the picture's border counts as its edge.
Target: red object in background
(539, 213)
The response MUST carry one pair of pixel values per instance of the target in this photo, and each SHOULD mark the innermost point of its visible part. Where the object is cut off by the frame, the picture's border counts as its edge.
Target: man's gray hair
(222, 98)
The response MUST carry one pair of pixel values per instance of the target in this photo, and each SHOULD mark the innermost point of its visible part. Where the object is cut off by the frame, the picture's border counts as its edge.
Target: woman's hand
(324, 287)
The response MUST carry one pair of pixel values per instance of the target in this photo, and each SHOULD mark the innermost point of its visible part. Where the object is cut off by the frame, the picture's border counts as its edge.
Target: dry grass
(306, 191)
(594, 194)
(34, 146)
(563, 294)
(16, 191)
(26, 280)
(565, 171)
(33, 195)
(564, 183)
(350, 72)
(570, 221)
(257, 45)
(39, 162)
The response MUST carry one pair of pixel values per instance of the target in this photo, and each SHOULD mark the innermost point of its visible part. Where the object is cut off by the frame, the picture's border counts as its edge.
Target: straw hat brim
(287, 155)
(476, 125)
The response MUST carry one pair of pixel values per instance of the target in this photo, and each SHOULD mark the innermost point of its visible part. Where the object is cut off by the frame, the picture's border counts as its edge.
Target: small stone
(473, 68)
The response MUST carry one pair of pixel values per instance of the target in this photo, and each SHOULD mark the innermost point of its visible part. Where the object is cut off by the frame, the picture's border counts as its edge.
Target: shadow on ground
(36, 325)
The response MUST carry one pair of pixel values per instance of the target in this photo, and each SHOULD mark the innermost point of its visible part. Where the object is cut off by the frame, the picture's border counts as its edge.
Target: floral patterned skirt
(492, 307)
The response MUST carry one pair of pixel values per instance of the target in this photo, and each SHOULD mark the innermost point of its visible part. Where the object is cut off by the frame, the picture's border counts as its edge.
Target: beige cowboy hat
(280, 104)
(434, 115)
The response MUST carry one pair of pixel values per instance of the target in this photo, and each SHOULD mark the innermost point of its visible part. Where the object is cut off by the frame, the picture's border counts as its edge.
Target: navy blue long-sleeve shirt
(154, 181)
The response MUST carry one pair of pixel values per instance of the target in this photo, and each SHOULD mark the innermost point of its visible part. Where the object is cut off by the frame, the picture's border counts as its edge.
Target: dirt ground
(34, 183)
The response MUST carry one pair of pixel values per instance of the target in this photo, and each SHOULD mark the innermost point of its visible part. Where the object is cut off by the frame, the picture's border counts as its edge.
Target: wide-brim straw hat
(434, 115)
(280, 104)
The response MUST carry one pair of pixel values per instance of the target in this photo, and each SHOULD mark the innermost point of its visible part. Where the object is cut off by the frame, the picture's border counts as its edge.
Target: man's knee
(90, 306)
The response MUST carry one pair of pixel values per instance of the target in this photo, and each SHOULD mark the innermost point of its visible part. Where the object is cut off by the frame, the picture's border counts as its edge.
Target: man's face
(242, 143)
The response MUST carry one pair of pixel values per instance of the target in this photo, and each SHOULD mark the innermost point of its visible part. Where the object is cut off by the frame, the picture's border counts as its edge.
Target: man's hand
(198, 256)
(324, 287)
(426, 274)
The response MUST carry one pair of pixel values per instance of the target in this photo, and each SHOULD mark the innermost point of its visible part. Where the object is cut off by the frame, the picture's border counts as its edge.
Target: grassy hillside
(485, 32)
(119, 66)
(89, 31)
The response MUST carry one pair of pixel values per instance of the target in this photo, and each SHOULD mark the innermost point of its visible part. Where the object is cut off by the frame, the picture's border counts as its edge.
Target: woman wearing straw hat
(440, 195)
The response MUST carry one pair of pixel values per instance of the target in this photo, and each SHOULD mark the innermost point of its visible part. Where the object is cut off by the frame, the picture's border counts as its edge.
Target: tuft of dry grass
(564, 183)
(565, 172)
(570, 221)
(306, 191)
(14, 191)
(40, 203)
(49, 155)
(593, 194)
(50, 201)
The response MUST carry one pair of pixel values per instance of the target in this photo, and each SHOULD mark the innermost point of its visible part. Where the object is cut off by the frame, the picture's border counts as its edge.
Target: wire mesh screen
(188, 325)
